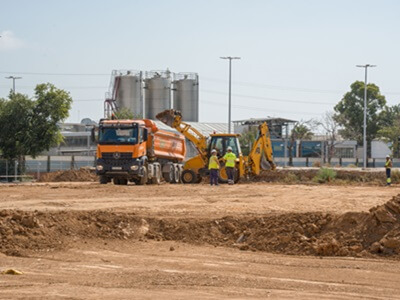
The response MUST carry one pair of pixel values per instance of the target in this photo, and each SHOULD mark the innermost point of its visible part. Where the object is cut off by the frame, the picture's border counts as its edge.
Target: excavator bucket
(169, 116)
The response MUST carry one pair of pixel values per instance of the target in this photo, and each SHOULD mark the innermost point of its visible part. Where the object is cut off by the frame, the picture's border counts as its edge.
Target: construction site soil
(199, 241)
(281, 175)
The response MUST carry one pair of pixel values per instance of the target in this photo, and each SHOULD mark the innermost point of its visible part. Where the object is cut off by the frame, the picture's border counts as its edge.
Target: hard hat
(213, 151)
(387, 156)
(229, 148)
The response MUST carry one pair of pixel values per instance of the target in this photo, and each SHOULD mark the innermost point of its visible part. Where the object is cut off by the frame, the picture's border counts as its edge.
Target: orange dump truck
(138, 151)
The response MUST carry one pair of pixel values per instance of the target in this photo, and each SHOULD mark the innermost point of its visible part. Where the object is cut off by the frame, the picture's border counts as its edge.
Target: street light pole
(365, 146)
(13, 79)
(230, 88)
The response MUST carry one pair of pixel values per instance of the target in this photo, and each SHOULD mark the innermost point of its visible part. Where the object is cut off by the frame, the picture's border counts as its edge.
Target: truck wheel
(169, 176)
(123, 181)
(103, 179)
(157, 178)
(177, 174)
(116, 181)
(189, 176)
(143, 179)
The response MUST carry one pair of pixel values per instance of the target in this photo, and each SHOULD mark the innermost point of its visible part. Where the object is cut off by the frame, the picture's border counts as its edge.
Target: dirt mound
(82, 174)
(307, 176)
(376, 232)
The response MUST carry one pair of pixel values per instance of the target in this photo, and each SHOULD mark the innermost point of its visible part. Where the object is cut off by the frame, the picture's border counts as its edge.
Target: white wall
(379, 149)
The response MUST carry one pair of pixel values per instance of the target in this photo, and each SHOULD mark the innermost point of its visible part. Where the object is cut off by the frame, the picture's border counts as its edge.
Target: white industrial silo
(186, 95)
(129, 92)
(157, 85)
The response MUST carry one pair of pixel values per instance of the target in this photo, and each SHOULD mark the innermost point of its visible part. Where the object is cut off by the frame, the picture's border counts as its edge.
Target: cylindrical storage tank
(186, 96)
(157, 93)
(128, 92)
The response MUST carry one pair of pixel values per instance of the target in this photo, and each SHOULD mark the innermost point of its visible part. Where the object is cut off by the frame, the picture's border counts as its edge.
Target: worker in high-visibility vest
(388, 167)
(213, 166)
(230, 160)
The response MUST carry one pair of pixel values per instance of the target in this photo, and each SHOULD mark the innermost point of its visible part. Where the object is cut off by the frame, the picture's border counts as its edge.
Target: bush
(395, 176)
(290, 178)
(324, 175)
(316, 164)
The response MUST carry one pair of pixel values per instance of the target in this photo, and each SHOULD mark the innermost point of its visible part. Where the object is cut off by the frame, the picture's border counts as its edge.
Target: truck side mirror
(93, 135)
(145, 134)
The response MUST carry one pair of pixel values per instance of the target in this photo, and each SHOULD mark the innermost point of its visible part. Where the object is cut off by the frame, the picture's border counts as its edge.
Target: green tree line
(29, 126)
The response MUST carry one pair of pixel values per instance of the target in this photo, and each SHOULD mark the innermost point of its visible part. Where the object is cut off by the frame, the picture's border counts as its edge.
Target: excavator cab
(221, 142)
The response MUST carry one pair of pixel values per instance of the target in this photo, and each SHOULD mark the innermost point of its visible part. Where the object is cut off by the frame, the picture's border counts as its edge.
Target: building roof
(260, 120)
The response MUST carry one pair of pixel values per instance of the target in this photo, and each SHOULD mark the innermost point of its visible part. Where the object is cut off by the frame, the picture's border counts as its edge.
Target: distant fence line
(342, 162)
(45, 164)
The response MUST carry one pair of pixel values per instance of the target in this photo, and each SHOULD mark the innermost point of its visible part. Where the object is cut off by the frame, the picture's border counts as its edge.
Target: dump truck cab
(121, 150)
(138, 151)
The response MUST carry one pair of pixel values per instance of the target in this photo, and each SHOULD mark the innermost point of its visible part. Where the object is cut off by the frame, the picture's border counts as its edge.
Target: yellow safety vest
(387, 164)
(230, 159)
(213, 163)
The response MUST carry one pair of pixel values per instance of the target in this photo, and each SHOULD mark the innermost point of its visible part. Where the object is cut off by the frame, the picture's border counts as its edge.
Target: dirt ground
(257, 240)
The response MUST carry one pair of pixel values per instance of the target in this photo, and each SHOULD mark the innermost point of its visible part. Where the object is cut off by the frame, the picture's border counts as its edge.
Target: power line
(240, 83)
(277, 87)
(87, 100)
(63, 87)
(56, 74)
(262, 109)
(270, 99)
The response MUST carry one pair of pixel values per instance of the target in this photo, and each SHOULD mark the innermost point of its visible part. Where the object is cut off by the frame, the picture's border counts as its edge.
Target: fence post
(340, 161)
(357, 161)
(72, 162)
(15, 170)
(373, 162)
(48, 163)
(7, 170)
(38, 170)
(306, 161)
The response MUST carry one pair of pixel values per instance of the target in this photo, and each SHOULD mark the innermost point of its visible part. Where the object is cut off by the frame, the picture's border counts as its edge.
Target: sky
(298, 58)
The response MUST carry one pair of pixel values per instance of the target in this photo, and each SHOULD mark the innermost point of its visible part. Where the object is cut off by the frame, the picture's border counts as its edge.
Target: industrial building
(146, 93)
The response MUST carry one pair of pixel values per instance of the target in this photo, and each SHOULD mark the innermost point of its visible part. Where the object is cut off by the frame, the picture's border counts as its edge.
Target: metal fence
(43, 164)
(335, 162)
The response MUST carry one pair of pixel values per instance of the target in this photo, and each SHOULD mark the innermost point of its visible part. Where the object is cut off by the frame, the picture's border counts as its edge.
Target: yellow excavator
(196, 167)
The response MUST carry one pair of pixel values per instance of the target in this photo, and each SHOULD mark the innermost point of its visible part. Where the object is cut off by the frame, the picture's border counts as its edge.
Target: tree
(330, 126)
(247, 139)
(300, 131)
(29, 126)
(350, 112)
(390, 131)
(126, 113)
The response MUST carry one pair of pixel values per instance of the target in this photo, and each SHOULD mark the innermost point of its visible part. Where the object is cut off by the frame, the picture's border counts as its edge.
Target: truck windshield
(122, 135)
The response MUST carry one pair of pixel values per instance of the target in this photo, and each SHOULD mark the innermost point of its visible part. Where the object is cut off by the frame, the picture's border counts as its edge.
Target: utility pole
(365, 146)
(230, 88)
(13, 79)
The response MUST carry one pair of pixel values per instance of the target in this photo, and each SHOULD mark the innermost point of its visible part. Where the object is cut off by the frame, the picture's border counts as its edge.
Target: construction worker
(388, 167)
(213, 166)
(230, 159)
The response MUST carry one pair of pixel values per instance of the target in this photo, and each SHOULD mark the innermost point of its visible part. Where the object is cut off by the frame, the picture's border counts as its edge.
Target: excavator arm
(261, 146)
(173, 119)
